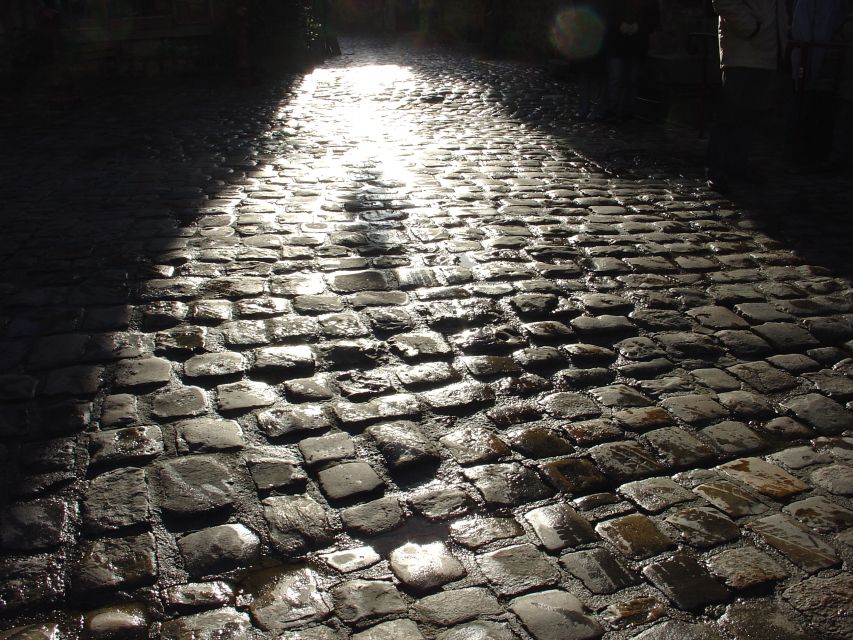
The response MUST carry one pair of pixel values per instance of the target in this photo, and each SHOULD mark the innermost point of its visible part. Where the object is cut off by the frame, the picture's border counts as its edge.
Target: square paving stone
(744, 404)
(574, 476)
(687, 583)
(208, 435)
(745, 567)
(222, 548)
(507, 485)
(761, 618)
(459, 396)
(117, 563)
(403, 444)
(588, 432)
(555, 615)
(559, 526)
(244, 395)
(635, 535)
(120, 445)
(678, 630)
(825, 415)
(836, 478)
(143, 372)
(704, 526)
(476, 532)
(538, 442)
(335, 446)
(284, 358)
(442, 504)
(359, 601)
(116, 499)
(196, 484)
(270, 472)
(349, 479)
(573, 406)
(821, 599)
(297, 523)
(425, 566)
(601, 571)
(516, 569)
(374, 517)
(290, 600)
(179, 403)
(353, 414)
(474, 445)
(625, 460)
(730, 498)
(764, 477)
(392, 630)
(800, 545)
(695, 408)
(33, 526)
(656, 494)
(820, 514)
(214, 365)
(420, 346)
(734, 438)
(457, 605)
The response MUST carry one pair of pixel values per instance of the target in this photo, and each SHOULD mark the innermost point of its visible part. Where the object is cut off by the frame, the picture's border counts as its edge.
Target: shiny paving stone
(600, 570)
(393, 630)
(350, 560)
(127, 621)
(800, 545)
(836, 478)
(507, 485)
(220, 624)
(745, 567)
(825, 415)
(764, 477)
(477, 532)
(754, 619)
(516, 569)
(222, 548)
(635, 535)
(117, 563)
(196, 484)
(656, 494)
(403, 444)
(208, 435)
(730, 498)
(359, 601)
(34, 526)
(703, 526)
(479, 630)
(296, 523)
(198, 595)
(684, 581)
(349, 479)
(290, 600)
(336, 446)
(821, 599)
(132, 443)
(678, 630)
(374, 517)
(820, 514)
(116, 499)
(555, 615)
(559, 526)
(425, 566)
(474, 445)
(458, 605)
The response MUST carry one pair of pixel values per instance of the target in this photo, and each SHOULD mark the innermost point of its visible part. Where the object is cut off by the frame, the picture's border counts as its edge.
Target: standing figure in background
(634, 22)
(815, 72)
(841, 151)
(753, 38)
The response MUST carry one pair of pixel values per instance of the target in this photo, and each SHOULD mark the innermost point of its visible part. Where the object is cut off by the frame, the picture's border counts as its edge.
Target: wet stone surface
(396, 348)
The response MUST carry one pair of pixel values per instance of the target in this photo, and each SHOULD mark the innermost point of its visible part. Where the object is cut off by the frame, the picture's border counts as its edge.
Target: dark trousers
(746, 95)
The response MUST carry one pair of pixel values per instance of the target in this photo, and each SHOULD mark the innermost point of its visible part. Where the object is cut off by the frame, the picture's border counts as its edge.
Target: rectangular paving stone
(559, 526)
(730, 498)
(516, 569)
(820, 514)
(800, 545)
(635, 535)
(764, 477)
(556, 615)
(745, 567)
(687, 583)
(625, 460)
(601, 571)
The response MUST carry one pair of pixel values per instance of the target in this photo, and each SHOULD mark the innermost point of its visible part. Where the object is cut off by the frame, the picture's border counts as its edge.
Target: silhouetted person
(815, 71)
(634, 21)
(841, 152)
(587, 27)
(753, 36)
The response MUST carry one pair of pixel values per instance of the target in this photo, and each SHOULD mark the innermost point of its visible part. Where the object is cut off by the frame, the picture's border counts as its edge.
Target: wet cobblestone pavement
(388, 352)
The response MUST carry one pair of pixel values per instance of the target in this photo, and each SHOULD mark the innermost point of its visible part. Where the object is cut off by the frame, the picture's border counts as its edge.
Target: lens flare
(578, 33)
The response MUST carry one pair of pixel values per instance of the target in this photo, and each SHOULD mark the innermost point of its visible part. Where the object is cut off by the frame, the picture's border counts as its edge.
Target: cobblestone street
(396, 350)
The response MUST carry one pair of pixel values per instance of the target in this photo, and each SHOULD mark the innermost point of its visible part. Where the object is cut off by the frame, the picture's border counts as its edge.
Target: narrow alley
(395, 350)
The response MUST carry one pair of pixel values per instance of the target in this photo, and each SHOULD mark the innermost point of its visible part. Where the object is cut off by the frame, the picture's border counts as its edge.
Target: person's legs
(632, 86)
(617, 69)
